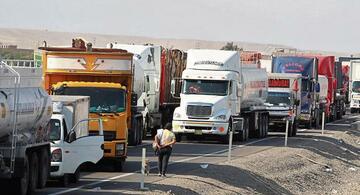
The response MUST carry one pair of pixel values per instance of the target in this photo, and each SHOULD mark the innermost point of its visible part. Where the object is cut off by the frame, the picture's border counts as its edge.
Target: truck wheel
(33, 172)
(44, 168)
(140, 130)
(65, 180)
(21, 184)
(294, 128)
(118, 165)
(261, 126)
(225, 138)
(132, 138)
(352, 110)
(178, 137)
(243, 135)
(266, 127)
(74, 178)
(252, 130)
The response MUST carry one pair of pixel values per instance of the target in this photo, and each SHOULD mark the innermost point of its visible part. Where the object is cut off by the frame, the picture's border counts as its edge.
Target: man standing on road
(165, 140)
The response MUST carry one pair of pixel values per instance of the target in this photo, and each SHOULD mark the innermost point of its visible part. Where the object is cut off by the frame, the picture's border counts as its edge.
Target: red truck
(335, 101)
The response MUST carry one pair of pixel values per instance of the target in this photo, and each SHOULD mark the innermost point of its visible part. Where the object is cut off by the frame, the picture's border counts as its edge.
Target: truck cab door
(81, 150)
(234, 103)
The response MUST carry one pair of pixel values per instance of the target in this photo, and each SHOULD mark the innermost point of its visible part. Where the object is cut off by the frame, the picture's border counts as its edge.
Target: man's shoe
(163, 175)
(159, 175)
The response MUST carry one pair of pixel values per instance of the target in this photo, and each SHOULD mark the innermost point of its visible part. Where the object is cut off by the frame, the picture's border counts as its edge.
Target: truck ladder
(15, 115)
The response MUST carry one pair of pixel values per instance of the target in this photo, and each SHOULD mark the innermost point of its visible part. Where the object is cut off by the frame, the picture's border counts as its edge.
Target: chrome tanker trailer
(25, 111)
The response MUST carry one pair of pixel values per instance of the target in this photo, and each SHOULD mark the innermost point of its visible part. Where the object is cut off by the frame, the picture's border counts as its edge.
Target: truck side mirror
(239, 90)
(172, 88)
(317, 87)
(71, 137)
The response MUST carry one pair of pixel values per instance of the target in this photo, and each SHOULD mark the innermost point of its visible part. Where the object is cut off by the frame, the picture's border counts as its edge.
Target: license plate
(198, 132)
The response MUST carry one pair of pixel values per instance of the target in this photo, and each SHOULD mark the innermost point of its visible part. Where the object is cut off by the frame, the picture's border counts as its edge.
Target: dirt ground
(311, 164)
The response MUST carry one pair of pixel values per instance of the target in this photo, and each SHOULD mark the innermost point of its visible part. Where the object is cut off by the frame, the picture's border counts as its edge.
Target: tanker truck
(25, 112)
(154, 68)
(146, 61)
(219, 95)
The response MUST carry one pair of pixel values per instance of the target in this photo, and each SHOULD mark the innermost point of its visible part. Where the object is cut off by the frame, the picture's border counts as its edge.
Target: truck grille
(199, 111)
(108, 135)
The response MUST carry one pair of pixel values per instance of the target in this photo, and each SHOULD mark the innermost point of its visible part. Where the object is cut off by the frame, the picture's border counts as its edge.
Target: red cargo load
(250, 57)
(173, 62)
(345, 72)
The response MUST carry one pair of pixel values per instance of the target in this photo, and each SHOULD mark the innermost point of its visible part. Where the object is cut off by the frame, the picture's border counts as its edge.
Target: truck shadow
(225, 179)
(328, 147)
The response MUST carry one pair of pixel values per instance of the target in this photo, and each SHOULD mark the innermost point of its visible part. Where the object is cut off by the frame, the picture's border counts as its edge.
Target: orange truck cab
(106, 75)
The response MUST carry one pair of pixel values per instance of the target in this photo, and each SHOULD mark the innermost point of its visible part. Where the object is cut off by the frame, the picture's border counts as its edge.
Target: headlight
(221, 117)
(119, 149)
(56, 155)
(177, 115)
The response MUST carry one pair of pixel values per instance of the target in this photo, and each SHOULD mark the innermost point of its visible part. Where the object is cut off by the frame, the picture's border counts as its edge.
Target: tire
(266, 125)
(132, 137)
(65, 180)
(33, 172)
(21, 185)
(178, 137)
(74, 178)
(252, 130)
(225, 138)
(118, 165)
(44, 161)
(294, 131)
(140, 131)
(243, 133)
(352, 110)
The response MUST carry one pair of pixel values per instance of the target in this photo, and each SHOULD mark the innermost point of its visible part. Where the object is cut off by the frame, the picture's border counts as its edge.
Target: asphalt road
(187, 155)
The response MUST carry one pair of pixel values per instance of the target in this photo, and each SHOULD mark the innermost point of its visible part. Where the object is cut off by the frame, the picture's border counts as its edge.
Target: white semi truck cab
(216, 94)
(71, 144)
(354, 86)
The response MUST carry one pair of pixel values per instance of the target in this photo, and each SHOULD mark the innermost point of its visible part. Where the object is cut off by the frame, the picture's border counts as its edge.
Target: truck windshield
(278, 98)
(206, 87)
(102, 100)
(55, 129)
(356, 86)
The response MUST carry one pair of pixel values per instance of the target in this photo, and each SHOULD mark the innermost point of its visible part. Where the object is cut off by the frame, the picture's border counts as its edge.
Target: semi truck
(354, 86)
(153, 66)
(219, 95)
(283, 101)
(345, 65)
(335, 106)
(25, 112)
(106, 75)
(307, 67)
(71, 144)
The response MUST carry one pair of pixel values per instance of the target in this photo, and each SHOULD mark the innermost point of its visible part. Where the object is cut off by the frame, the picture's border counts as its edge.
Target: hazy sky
(307, 24)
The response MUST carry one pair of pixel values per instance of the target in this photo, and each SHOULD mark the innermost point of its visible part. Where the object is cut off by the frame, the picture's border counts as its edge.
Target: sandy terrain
(31, 39)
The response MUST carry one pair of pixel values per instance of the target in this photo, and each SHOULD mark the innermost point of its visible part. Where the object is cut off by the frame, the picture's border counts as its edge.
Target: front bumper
(304, 117)
(355, 104)
(200, 127)
(56, 170)
(110, 149)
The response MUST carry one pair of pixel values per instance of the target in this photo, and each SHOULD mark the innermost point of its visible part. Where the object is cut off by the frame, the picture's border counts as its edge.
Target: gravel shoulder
(311, 164)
